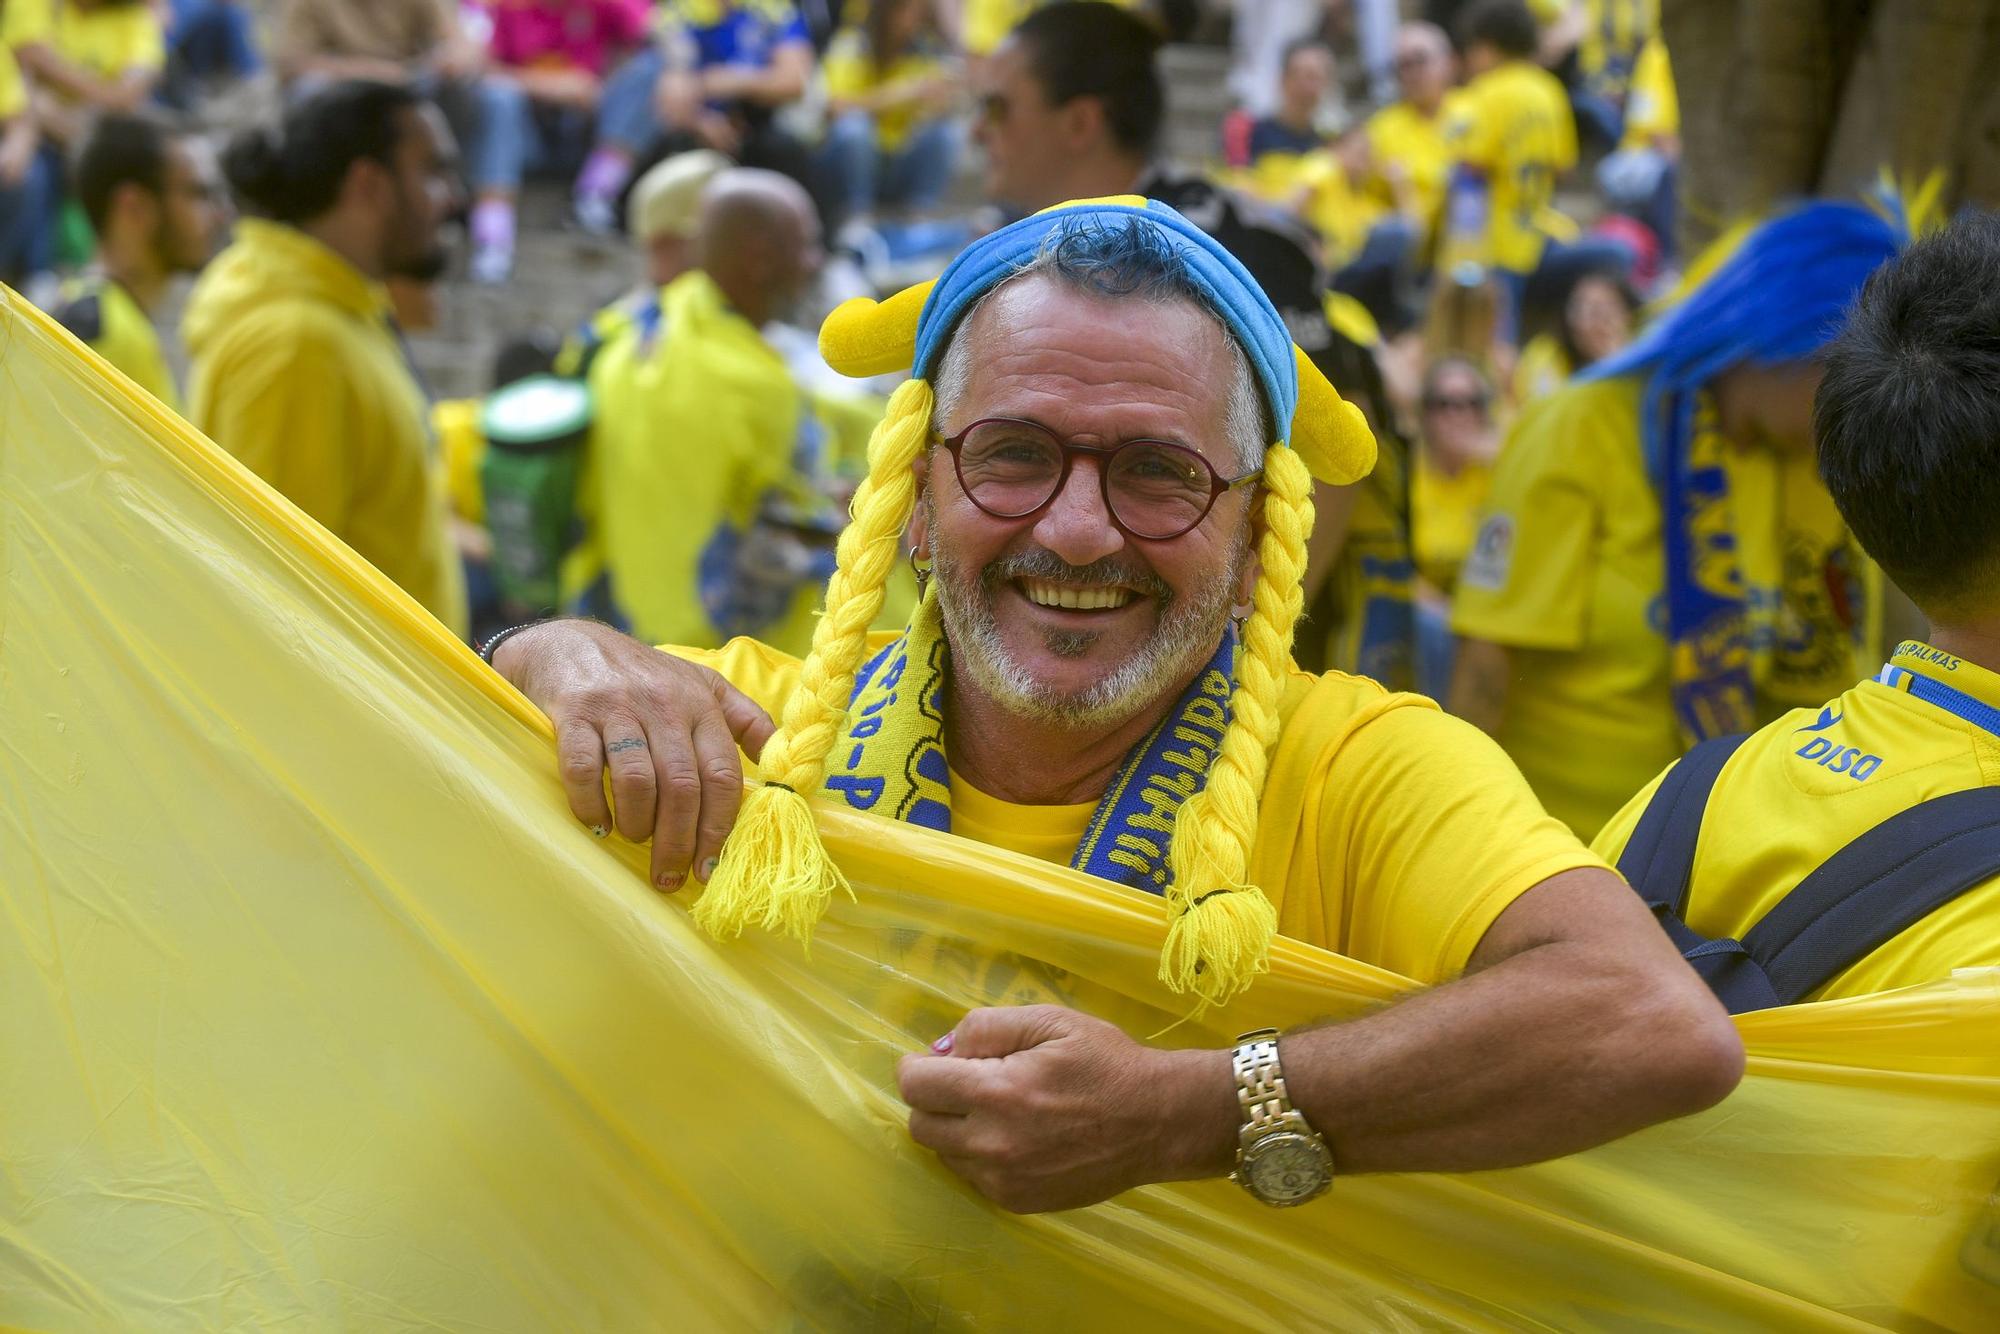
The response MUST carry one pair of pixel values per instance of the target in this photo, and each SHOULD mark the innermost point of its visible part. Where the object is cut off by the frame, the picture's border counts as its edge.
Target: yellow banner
(318, 1010)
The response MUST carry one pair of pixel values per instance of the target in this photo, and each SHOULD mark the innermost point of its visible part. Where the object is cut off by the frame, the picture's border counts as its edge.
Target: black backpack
(1856, 901)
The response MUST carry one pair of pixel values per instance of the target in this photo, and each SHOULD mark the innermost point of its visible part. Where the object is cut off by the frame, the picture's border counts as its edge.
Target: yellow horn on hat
(864, 337)
(1329, 432)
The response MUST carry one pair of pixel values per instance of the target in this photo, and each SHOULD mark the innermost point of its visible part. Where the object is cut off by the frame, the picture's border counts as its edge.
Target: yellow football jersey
(1511, 127)
(104, 315)
(1568, 571)
(1804, 787)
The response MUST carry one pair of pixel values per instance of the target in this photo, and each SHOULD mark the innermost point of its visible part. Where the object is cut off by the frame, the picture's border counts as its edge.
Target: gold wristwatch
(1280, 1158)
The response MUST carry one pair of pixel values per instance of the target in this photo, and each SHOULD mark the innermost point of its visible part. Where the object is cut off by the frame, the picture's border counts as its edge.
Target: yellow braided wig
(775, 874)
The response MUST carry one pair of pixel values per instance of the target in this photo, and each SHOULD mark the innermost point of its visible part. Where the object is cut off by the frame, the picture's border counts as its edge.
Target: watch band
(1260, 1083)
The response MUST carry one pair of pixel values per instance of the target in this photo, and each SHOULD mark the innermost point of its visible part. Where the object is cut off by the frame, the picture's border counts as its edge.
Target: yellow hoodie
(298, 371)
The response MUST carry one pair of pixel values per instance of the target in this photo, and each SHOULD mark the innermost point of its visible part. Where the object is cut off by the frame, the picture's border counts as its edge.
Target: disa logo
(1830, 754)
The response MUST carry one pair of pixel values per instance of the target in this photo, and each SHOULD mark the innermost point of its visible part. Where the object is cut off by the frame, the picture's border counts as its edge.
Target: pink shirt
(581, 34)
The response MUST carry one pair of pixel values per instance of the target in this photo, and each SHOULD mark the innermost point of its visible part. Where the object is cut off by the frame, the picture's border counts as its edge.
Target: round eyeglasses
(1153, 490)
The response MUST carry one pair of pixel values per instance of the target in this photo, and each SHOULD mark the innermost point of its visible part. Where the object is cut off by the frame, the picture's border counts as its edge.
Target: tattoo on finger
(629, 743)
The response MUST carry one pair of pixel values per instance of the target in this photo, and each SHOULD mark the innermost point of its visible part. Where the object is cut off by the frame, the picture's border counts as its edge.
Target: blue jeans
(625, 117)
(515, 136)
(1382, 276)
(213, 38)
(28, 218)
(866, 176)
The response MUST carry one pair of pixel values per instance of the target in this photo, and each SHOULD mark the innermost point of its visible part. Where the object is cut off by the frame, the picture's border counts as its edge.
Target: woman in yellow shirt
(1597, 319)
(890, 86)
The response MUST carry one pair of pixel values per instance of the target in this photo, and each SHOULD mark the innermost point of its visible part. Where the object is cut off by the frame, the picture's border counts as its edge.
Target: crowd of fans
(1458, 218)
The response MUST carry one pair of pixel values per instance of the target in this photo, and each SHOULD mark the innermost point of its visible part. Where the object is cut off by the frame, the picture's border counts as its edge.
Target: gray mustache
(1044, 564)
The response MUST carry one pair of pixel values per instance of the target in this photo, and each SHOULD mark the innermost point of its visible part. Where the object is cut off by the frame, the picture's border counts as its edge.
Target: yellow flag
(318, 1010)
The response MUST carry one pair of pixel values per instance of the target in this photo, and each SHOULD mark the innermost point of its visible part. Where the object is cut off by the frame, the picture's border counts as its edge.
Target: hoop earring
(922, 570)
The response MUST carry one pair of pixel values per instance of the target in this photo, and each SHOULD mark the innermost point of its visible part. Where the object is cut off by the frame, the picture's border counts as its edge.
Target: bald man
(700, 491)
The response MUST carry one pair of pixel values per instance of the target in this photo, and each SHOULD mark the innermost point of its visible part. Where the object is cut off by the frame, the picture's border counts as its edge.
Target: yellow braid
(1220, 938)
(774, 872)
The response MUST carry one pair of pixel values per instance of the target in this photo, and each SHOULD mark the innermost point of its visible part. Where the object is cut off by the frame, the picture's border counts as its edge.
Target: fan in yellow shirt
(1459, 443)
(1596, 321)
(1612, 611)
(1906, 421)
(1511, 137)
(91, 55)
(155, 217)
(297, 366)
(699, 485)
(1075, 650)
(890, 87)
(1409, 161)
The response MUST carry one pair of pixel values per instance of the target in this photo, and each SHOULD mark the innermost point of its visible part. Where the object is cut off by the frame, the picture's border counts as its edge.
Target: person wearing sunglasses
(1108, 451)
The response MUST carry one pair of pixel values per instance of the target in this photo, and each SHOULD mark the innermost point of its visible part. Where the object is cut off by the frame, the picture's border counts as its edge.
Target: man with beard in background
(298, 367)
(153, 208)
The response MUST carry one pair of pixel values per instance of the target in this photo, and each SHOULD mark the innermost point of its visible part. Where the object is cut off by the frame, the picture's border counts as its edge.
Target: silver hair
(1111, 261)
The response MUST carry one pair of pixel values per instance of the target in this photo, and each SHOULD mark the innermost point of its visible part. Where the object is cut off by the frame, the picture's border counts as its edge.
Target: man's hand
(666, 729)
(1044, 1108)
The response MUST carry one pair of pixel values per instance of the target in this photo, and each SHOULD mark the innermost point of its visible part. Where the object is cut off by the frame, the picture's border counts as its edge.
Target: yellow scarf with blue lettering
(890, 757)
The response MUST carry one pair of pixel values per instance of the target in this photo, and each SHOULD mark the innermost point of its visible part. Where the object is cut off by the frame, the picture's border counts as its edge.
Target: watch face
(1286, 1169)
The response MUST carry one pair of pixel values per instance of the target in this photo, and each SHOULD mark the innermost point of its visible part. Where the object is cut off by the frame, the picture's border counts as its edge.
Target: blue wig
(1780, 298)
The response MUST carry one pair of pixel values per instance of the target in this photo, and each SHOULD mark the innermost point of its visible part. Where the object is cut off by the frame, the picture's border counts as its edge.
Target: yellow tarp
(318, 1010)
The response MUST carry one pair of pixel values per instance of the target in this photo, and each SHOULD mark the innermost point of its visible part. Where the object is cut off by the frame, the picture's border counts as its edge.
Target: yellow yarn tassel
(1220, 937)
(775, 873)
(1218, 945)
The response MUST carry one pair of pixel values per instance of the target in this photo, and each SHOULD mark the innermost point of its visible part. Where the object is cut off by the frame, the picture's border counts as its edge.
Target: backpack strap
(1659, 857)
(1876, 887)
(1659, 861)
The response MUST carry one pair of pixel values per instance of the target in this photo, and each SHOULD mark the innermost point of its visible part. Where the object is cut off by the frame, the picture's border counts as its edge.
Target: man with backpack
(1856, 847)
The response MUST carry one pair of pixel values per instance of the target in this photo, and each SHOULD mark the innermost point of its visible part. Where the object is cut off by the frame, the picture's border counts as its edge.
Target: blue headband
(1248, 313)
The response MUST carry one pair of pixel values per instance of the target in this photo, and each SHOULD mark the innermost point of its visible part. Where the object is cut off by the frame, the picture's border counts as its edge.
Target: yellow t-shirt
(1652, 106)
(107, 40)
(1542, 369)
(13, 89)
(697, 418)
(1512, 126)
(1389, 831)
(1807, 785)
(1401, 135)
(1568, 571)
(1444, 516)
(850, 72)
(104, 315)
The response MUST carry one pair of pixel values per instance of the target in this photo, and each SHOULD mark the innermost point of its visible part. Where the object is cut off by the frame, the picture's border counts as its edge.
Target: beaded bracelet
(487, 649)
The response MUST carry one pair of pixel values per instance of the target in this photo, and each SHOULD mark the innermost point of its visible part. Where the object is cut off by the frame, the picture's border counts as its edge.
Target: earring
(922, 569)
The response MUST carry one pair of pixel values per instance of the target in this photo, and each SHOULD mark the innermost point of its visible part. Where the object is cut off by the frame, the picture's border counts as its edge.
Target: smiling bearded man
(1115, 459)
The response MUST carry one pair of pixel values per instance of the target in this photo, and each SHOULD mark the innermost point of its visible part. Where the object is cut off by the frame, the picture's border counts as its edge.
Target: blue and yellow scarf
(890, 758)
(1708, 620)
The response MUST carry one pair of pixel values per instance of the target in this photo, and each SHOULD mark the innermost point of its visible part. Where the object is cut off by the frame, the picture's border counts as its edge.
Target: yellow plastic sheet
(318, 1010)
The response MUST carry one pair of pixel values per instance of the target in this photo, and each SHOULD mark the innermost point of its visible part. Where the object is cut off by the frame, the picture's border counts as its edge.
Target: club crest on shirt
(1492, 555)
